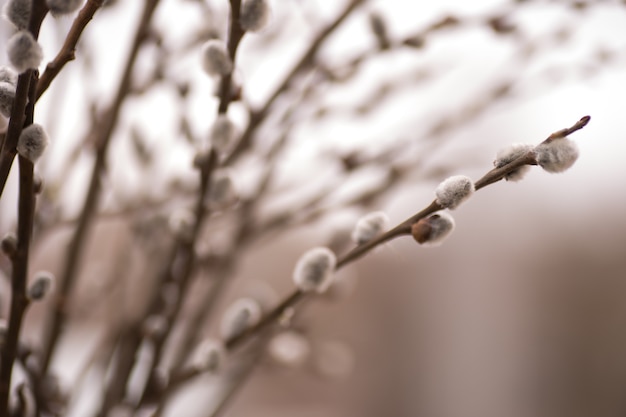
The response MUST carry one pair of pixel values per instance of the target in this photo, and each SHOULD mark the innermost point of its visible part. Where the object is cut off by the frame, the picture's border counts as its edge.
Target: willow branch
(16, 122)
(401, 229)
(103, 132)
(257, 116)
(67, 52)
(19, 276)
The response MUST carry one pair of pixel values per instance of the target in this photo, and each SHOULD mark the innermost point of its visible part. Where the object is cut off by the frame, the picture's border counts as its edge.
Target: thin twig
(185, 250)
(103, 132)
(403, 228)
(8, 150)
(257, 116)
(19, 277)
(68, 50)
(234, 38)
(240, 375)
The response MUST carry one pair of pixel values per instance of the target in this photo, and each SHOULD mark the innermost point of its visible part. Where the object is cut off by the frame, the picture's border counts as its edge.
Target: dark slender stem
(67, 52)
(16, 122)
(240, 375)
(257, 116)
(19, 276)
(103, 132)
(186, 251)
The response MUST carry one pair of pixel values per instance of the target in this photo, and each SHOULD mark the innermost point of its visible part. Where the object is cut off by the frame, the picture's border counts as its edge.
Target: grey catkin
(32, 142)
(432, 230)
(24, 52)
(241, 314)
(454, 190)
(18, 12)
(369, 226)
(254, 15)
(314, 270)
(223, 133)
(7, 75)
(556, 155)
(41, 286)
(7, 95)
(215, 58)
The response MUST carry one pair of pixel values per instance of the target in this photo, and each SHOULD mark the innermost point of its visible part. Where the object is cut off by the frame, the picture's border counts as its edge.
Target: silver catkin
(7, 96)
(24, 52)
(32, 142)
(18, 12)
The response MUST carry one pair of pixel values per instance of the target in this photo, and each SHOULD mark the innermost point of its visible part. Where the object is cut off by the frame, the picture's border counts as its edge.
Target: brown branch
(67, 52)
(234, 38)
(257, 116)
(102, 132)
(240, 375)
(19, 276)
(185, 250)
(16, 122)
(568, 131)
(403, 228)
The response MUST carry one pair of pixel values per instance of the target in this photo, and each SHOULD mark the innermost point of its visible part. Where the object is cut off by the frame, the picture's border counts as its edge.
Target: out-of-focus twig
(257, 116)
(102, 132)
(8, 149)
(67, 52)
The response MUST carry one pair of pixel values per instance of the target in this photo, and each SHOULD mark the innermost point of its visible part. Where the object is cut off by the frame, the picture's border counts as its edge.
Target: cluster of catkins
(25, 53)
(553, 155)
(315, 269)
(23, 50)
(33, 139)
(217, 62)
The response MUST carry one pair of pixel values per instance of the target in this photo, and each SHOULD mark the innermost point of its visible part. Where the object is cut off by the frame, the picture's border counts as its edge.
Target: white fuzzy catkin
(432, 230)
(41, 286)
(18, 12)
(453, 191)
(24, 52)
(222, 193)
(243, 313)
(215, 58)
(209, 355)
(7, 75)
(32, 142)
(314, 270)
(223, 133)
(254, 15)
(61, 7)
(511, 153)
(7, 96)
(556, 155)
(369, 226)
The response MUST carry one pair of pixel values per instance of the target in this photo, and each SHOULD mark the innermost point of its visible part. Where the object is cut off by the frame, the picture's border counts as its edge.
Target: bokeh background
(520, 313)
